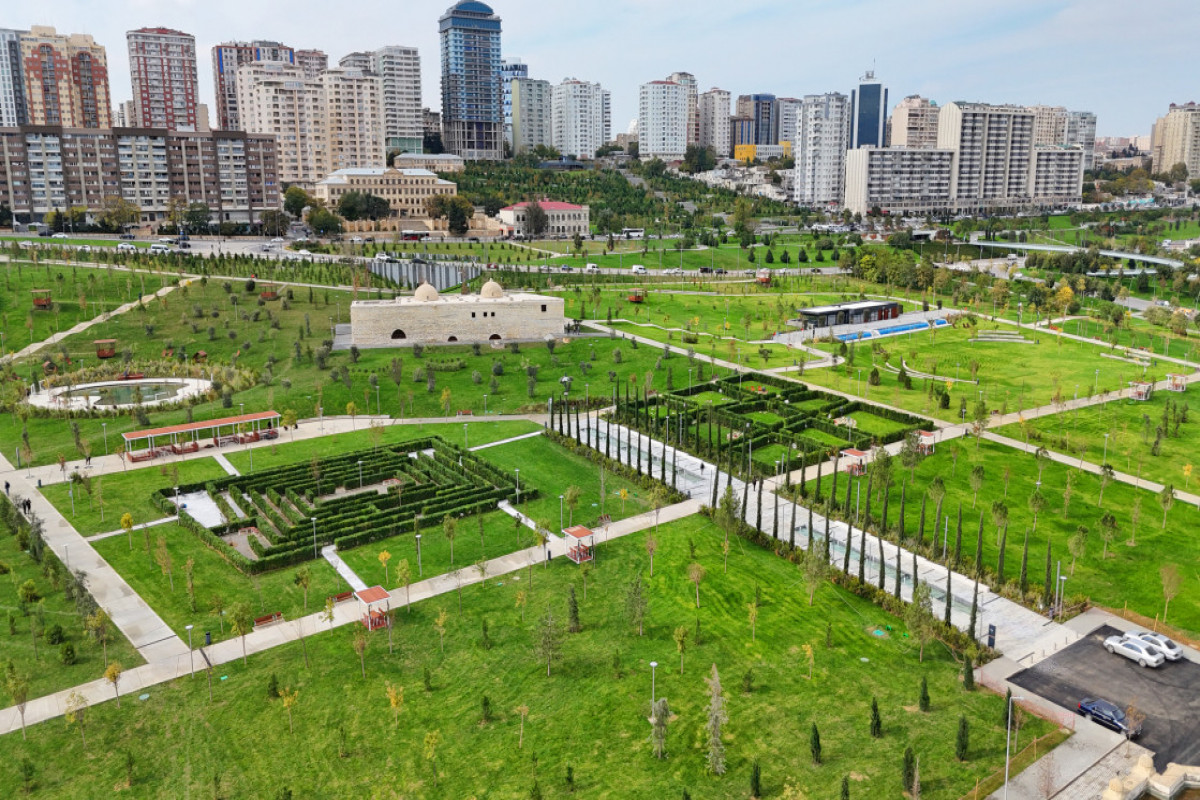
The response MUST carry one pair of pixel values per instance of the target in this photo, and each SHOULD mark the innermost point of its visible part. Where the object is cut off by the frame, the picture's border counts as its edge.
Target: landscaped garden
(472, 711)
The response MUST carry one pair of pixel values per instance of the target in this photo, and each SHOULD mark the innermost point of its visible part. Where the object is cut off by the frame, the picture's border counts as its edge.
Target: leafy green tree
(198, 216)
(274, 222)
(547, 643)
(536, 219)
(241, 622)
(324, 222)
(295, 200)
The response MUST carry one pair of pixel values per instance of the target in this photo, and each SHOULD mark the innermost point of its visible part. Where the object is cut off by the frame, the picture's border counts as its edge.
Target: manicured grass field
(42, 662)
(590, 713)
(729, 349)
(1137, 333)
(76, 294)
(1130, 572)
(114, 494)
(1011, 376)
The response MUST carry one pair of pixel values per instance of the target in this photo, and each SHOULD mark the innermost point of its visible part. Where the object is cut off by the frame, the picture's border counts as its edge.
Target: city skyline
(1028, 52)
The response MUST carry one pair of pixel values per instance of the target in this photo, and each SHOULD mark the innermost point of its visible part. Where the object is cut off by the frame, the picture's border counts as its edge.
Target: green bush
(54, 634)
(67, 654)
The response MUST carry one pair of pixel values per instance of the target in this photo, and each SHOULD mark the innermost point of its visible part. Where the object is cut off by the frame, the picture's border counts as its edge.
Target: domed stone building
(428, 317)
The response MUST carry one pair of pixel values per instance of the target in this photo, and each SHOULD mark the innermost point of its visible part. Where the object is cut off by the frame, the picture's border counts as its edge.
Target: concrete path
(230, 469)
(507, 508)
(121, 531)
(509, 440)
(329, 553)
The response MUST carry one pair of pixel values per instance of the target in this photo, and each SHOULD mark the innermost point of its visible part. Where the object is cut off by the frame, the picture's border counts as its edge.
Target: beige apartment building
(65, 79)
(914, 124)
(1176, 139)
(406, 190)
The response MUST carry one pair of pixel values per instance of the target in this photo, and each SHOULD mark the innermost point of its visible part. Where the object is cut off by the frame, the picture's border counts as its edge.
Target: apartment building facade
(226, 59)
(13, 110)
(662, 120)
(581, 117)
(914, 124)
(688, 81)
(65, 79)
(713, 108)
(162, 70)
(1176, 139)
(823, 131)
(532, 114)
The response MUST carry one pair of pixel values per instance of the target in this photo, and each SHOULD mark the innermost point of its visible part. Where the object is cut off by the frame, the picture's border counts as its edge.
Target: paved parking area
(1169, 696)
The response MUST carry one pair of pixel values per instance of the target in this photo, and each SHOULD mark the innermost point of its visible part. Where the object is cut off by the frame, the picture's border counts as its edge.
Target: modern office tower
(898, 180)
(162, 69)
(399, 69)
(48, 168)
(65, 79)
(822, 134)
(313, 62)
(662, 120)
(713, 109)
(1176, 139)
(688, 81)
(741, 131)
(13, 111)
(914, 124)
(532, 114)
(352, 115)
(868, 112)
(472, 98)
(582, 117)
(360, 60)
(510, 70)
(764, 109)
(788, 109)
(227, 58)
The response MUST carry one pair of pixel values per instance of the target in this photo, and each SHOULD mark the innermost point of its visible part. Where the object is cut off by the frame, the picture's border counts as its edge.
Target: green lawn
(99, 510)
(1011, 376)
(1128, 574)
(1136, 333)
(42, 662)
(875, 425)
(76, 294)
(590, 713)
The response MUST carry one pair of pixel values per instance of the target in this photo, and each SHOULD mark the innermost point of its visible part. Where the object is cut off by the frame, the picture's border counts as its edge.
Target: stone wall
(466, 318)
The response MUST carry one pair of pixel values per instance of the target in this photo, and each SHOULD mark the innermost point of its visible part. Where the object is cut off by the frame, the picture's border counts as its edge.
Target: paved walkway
(121, 531)
(330, 554)
(230, 469)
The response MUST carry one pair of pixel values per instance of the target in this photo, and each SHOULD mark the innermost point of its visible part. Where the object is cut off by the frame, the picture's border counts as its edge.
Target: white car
(126, 247)
(85, 248)
(356, 239)
(638, 269)
(591, 268)
(1146, 655)
(673, 271)
(59, 236)
(1160, 642)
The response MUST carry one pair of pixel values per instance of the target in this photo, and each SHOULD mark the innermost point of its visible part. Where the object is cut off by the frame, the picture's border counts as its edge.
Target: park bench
(260, 622)
(341, 598)
(466, 412)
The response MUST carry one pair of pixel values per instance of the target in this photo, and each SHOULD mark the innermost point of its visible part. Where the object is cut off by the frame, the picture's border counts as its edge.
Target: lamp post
(378, 407)
(420, 572)
(1062, 592)
(1096, 382)
(465, 447)
(653, 667)
(1007, 742)
(360, 473)
(191, 657)
(485, 405)
(560, 512)
(104, 425)
(1105, 459)
(518, 471)
(314, 522)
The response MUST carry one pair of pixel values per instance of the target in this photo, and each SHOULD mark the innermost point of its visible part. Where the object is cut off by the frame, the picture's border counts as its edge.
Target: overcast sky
(1124, 61)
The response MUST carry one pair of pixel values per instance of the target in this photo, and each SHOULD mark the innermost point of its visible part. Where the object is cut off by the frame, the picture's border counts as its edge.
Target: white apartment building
(713, 110)
(510, 69)
(898, 180)
(1176, 139)
(1056, 176)
(12, 89)
(581, 117)
(688, 81)
(399, 69)
(1055, 125)
(789, 118)
(662, 120)
(532, 114)
(914, 123)
(823, 131)
(313, 62)
(993, 146)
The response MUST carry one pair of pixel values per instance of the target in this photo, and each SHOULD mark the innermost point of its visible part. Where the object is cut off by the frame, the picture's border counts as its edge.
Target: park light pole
(360, 473)
(314, 522)
(191, 656)
(485, 405)
(1062, 592)
(104, 425)
(1007, 741)
(420, 571)
(1105, 459)
(653, 667)
(560, 512)
(518, 471)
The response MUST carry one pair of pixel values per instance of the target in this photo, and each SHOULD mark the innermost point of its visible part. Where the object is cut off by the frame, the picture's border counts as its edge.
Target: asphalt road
(1169, 696)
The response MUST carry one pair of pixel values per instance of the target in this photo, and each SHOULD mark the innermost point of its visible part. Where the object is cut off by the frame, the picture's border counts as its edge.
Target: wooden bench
(341, 598)
(268, 619)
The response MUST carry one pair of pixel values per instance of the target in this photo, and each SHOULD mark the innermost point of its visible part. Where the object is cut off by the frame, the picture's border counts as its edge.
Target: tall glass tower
(868, 117)
(472, 97)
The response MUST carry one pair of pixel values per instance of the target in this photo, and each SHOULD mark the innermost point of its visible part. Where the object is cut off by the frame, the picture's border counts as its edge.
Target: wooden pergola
(1141, 390)
(186, 438)
(925, 442)
(577, 550)
(856, 465)
(376, 602)
(268, 292)
(105, 348)
(42, 299)
(1176, 382)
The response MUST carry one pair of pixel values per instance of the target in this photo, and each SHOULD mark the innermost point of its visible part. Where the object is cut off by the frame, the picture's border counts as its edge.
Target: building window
(543, 308)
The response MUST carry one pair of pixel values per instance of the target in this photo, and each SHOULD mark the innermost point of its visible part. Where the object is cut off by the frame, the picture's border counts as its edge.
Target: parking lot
(1169, 696)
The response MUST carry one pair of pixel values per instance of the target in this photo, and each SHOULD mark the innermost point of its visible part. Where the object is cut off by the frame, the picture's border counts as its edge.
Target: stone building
(428, 317)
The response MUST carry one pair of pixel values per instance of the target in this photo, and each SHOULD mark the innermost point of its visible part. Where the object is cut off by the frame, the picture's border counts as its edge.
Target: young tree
(680, 636)
(976, 482)
(1166, 499)
(395, 696)
(241, 622)
(547, 643)
(814, 745)
(404, 575)
(127, 526)
(695, 575)
(97, 625)
(918, 617)
(635, 603)
(439, 623)
(717, 716)
(218, 608)
(289, 698)
(450, 529)
(162, 557)
(1171, 580)
(303, 579)
(523, 712)
(909, 770)
(384, 558)
(1037, 504)
(962, 742)
(18, 689)
(571, 498)
(432, 740)
(660, 715)
(113, 675)
(1107, 475)
(1077, 545)
(753, 608)
(816, 567)
(651, 547)
(76, 712)
(1135, 513)
(573, 625)
(1108, 532)
(876, 720)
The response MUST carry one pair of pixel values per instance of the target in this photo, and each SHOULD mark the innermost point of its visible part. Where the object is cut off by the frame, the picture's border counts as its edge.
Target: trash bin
(207, 638)
(39, 483)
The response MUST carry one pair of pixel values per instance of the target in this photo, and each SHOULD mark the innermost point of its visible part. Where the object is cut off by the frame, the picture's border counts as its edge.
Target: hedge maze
(749, 422)
(404, 486)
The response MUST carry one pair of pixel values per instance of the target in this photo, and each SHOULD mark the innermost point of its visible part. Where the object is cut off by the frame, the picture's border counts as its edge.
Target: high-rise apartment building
(162, 69)
(582, 117)
(472, 98)
(1176, 139)
(510, 70)
(532, 114)
(993, 146)
(399, 70)
(13, 110)
(789, 118)
(713, 109)
(868, 114)
(226, 59)
(313, 62)
(352, 115)
(898, 180)
(822, 134)
(360, 60)
(65, 79)
(662, 120)
(914, 124)
(688, 81)
(1080, 132)
(741, 131)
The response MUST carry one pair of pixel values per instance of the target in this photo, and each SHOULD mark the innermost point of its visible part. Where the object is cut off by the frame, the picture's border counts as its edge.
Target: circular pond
(115, 395)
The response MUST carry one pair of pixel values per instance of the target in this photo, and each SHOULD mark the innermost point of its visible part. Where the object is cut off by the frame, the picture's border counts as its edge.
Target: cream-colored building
(914, 124)
(428, 317)
(1176, 139)
(562, 219)
(406, 190)
(440, 162)
(65, 79)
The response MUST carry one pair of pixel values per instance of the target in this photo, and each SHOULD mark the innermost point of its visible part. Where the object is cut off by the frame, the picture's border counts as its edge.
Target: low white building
(434, 162)
(428, 317)
(562, 219)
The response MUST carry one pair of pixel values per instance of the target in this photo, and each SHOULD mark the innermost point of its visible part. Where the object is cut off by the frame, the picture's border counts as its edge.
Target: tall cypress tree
(921, 522)
(810, 528)
(792, 534)
(1048, 588)
(979, 547)
(958, 539)
(899, 569)
(826, 543)
(1000, 558)
(833, 489)
(887, 493)
(1024, 579)
(866, 520)
(948, 597)
(882, 577)
(758, 509)
(849, 486)
(846, 554)
(903, 492)
(862, 555)
(974, 608)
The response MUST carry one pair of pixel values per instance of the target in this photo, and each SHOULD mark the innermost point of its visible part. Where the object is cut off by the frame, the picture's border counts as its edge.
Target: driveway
(1169, 696)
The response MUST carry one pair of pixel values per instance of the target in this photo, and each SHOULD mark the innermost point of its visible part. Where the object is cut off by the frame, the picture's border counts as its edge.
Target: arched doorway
(398, 334)
(495, 337)
(452, 339)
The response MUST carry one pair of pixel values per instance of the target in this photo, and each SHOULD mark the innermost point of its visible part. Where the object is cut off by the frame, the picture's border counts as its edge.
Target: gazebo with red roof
(376, 603)
(577, 551)
(105, 348)
(856, 466)
(925, 442)
(1141, 390)
(1176, 382)
(185, 437)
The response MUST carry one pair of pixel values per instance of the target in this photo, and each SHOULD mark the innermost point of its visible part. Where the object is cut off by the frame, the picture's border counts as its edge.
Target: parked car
(638, 269)
(706, 270)
(356, 239)
(128, 236)
(1170, 650)
(673, 271)
(159, 248)
(59, 236)
(722, 272)
(591, 268)
(566, 268)
(1146, 655)
(1109, 715)
(126, 247)
(85, 248)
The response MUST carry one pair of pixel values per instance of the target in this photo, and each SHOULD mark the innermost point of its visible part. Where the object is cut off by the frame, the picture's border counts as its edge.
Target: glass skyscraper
(472, 97)
(868, 118)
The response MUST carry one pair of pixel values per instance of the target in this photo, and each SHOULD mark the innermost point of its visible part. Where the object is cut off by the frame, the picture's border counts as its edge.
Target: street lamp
(360, 473)
(485, 405)
(104, 425)
(420, 572)
(1105, 459)
(518, 471)
(465, 447)
(1007, 741)
(1062, 592)
(191, 657)
(314, 522)
(653, 667)
(560, 512)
